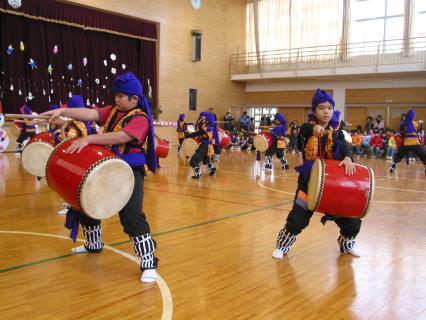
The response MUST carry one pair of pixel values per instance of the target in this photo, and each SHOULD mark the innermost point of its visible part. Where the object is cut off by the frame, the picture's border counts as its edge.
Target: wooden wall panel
(386, 95)
(281, 97)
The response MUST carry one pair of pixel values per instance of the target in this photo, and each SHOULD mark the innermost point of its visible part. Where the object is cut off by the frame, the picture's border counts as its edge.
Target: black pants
(25, 135)
(419, 150)
(180, 141)
(298, 219)
(132, 217)
(201, 154)
(217, 149)
(274, 150)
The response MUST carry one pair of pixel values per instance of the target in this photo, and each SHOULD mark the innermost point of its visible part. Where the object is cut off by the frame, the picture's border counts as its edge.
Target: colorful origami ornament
(9, 50)
(84, 61)
(50, 69)
(21, 46)
(69, 67)
(32, 64)
(55, 49)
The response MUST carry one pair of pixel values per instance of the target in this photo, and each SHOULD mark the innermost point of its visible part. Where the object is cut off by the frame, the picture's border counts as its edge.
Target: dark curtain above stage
(93, 80)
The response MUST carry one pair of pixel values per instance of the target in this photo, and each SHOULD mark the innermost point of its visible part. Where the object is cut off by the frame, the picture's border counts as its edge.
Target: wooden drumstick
(22, 121)
(25, 116)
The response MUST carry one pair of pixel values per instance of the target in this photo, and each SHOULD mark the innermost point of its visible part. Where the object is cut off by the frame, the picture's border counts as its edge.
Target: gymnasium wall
(222, 24)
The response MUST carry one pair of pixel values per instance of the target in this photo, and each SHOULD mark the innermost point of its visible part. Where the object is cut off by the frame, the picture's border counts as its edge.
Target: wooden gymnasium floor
(215, 239)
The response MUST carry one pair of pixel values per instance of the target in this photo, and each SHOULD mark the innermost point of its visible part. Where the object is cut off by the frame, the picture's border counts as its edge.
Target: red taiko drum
(263, 141)
(162, 148)
(332, 192)
(224, 138)
(189, 146)
(94, 181)
(399, 140)
(37, 152)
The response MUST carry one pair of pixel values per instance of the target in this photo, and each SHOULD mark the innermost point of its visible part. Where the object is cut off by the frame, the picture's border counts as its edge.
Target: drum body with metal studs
(224, 138)
(95, 181)
(332, 192)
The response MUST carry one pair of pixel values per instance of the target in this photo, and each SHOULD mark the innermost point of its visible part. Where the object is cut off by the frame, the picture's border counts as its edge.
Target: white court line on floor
(162, 285)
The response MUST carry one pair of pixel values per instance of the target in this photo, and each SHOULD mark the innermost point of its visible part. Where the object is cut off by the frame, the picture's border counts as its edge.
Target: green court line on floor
(231, 216)
(35, 263)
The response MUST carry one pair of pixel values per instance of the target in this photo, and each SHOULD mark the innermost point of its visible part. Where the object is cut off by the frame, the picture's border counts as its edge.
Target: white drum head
(316, 184)
(34, 158)
(260, 143)
(106, 188)
(190, 128)
(15, 130)
(189, 146)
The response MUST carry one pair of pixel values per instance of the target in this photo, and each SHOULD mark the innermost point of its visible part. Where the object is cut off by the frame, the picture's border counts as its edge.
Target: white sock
(278, 254)
(80, 249)
(353, 253)
(149, 275)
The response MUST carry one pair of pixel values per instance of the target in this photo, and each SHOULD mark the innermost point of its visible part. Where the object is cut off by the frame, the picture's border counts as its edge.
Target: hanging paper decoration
(106, 78)
(9, 50)
(50, 100)
(84, 61)
(104, 86)
(19, 87)
(113, 57)
(97, 100)
(21, 46)
(15, 4)
(55, 49)
(50, 70)
(63, 77)
(11, 85)
(105, 63)
(32, 64)
(149, 90)
(79, 83)
(30, 96)
(69, 67)
(123, 66)
(87, 102)
(70, 94)
(113, 70)
(97, 81)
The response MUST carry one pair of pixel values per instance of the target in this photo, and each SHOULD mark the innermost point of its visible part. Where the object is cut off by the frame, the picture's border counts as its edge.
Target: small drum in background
(399, 140)
(162, 148)
(95, 180)
(15, 129)
(224, 139)
(36, 153)
(332, 192)
(263, 141)
(189, 146)
(4, 140)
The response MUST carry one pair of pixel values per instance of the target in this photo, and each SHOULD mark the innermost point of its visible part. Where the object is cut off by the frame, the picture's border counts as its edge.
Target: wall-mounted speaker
(192, 99)
(196, 45)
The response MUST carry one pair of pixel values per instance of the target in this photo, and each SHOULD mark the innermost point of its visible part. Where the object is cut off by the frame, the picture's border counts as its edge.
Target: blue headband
(76, 102)
(181, 117)
(321, 96)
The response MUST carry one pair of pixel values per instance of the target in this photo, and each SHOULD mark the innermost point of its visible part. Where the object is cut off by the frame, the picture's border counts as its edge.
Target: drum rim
(260, 136)
(33, 143)
(183, 149)
(370, 193)
(320, 186)
(86, 175)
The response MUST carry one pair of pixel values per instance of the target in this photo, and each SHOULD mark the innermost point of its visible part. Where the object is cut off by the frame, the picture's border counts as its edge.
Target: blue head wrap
(321, 96)
(411, 114)
(181, 117)
(76, 102)
(281, 129)
(212, 126)
(128, 84)
(53, 107)
(25, 109)
(334, 122)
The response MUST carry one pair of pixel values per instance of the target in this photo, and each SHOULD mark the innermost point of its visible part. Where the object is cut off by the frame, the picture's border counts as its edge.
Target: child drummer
(129, 129)
(278, 146)
(317, 142)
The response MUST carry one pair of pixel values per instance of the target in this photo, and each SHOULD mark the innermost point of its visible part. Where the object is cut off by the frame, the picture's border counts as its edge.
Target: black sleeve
(306, 130)
(194, 134)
